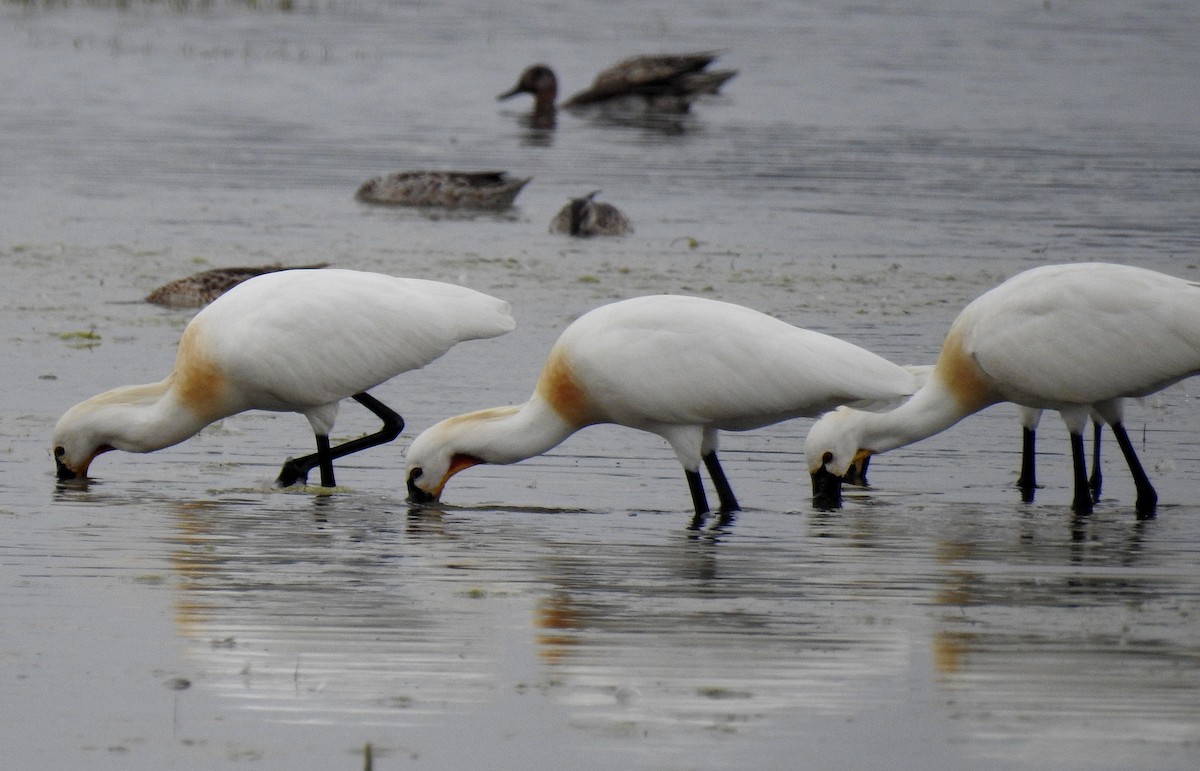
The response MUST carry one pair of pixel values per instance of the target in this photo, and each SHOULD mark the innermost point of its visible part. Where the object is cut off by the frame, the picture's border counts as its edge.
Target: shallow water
(871, 169)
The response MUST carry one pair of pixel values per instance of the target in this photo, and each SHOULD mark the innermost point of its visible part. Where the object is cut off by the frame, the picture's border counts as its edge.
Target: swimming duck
(492, 190)
(667, 83)
(586, 217)
(199, 289)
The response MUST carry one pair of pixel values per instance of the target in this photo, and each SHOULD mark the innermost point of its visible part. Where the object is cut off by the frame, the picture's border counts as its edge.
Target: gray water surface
(872, 169)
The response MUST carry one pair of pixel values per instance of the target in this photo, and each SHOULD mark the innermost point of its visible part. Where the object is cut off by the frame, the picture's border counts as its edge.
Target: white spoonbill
(1073, 338)
(680, 367)
(293, 341)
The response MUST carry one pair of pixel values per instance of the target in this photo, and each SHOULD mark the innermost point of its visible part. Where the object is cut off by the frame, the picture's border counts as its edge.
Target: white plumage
(1073, 338)
(680, 367)
(294, 341)
(1029, 418)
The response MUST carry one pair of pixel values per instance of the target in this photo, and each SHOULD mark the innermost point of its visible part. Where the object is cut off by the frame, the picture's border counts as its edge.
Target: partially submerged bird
(291, 341)
(666, 83)
(1074, 338)
(199, 289)
(486, 190)
(680, 367)
(587, 217)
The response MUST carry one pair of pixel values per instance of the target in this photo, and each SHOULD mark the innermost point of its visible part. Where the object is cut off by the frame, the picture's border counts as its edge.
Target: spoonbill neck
(144, 418)
(505, 435)
(934, 408)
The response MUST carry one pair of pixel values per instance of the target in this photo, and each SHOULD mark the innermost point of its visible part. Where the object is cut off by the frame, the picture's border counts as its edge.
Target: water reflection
(318, 614)
(1051, 629)
(334, 612)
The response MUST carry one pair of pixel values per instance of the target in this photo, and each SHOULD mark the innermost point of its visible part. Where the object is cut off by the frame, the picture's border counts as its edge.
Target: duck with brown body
(199, 289)
(584, 217)
(662, 83)
(485, 190)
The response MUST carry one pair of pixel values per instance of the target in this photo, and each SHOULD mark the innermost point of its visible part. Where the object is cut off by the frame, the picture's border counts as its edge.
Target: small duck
(199, 289)
(490, 190)
(584, 217)
(666, 83)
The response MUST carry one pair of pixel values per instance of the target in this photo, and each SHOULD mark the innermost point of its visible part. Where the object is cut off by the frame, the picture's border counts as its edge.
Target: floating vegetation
(80, 338)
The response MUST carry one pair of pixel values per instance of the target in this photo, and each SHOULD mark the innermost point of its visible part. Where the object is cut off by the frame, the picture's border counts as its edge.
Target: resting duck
(199, 289)
(666, 83)
(585, 217)
(493, 190)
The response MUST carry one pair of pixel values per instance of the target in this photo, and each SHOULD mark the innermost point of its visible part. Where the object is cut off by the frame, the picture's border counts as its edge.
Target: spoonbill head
(292, 341)
(1073, 338)
(683, 368)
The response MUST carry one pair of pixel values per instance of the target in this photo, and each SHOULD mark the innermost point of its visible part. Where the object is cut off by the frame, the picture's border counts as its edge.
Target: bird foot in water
(291, 473)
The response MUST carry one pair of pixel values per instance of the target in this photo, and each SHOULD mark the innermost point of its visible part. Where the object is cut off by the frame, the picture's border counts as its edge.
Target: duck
(289, 341)
(583, 217)
(482, 190)
(660, 83)
(682, 367)
(200, 289)
(1077, 338)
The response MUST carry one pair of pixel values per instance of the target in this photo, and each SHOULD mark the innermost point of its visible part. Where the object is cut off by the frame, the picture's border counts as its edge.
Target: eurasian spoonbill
(680, 367)
(1074, 338)
(292, 341)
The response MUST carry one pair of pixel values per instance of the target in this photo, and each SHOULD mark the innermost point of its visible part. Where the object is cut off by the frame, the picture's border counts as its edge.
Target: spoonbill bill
(290, 341)
(680, 367)
(1074, 338)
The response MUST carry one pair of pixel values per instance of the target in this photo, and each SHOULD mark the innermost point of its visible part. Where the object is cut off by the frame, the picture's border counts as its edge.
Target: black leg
(1097, 478)
(296, 469)
(1147, 499)
(857, 473)
(325, 461)
(724, 491)
(1083, 494)
(699, 499)
(1027, 481)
